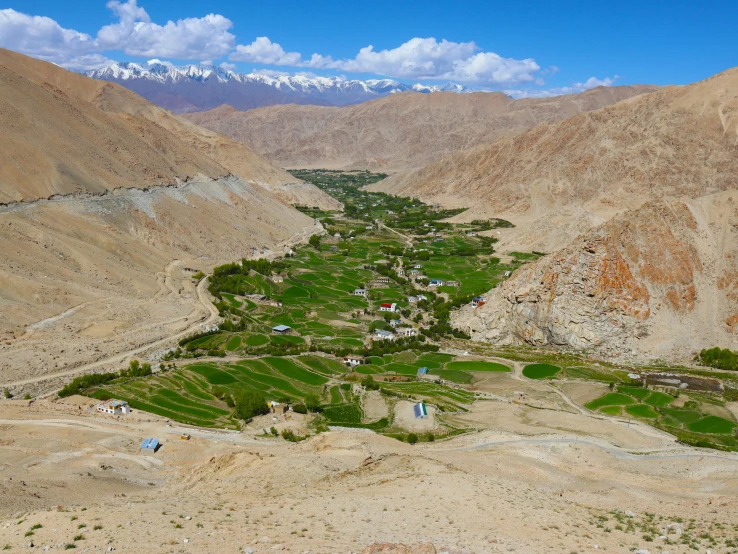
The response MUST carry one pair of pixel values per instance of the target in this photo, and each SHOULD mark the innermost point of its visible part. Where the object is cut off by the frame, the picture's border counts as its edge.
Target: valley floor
(530, 480)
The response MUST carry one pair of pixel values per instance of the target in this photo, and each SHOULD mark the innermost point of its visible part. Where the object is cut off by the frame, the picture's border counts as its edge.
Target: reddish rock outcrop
(659, 281)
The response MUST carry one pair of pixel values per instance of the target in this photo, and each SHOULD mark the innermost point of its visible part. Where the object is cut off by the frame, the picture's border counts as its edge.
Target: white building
(359, 292)
(352, 361)
(381, 334)
(406, 332)
(387, 307)
(114, 407)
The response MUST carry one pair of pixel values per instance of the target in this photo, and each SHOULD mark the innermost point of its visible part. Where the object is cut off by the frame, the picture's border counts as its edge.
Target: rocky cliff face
(661, 281)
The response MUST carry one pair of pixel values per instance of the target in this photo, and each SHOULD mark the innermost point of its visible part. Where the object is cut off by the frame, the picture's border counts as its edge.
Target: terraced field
(692, 423)
(196, 393)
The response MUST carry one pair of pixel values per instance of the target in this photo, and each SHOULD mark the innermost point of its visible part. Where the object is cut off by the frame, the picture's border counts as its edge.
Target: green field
(477, 366)
(690, 424)
(610, 399)
(540, 371)
(713, 425)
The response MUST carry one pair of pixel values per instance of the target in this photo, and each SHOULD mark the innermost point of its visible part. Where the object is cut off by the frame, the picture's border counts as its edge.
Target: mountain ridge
(398, 132)
(180, 88)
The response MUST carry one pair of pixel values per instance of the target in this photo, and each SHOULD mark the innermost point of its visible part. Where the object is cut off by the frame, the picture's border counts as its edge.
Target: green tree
(250, 403)
(412, 438)
(312, 403)
(314, 241)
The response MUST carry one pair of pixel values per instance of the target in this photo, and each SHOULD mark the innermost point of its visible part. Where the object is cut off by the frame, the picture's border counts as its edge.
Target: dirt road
(204, 303)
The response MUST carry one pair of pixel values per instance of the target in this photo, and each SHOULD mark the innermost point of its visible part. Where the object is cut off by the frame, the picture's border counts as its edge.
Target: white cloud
(42, 37)
(418, 58)
(190, 38)
(427, 58)
(266, 52)
(228, 66)
(134, 34)
(575, 88)
(88, 61)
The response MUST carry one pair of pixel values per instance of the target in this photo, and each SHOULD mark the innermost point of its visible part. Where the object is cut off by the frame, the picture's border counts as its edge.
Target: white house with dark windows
(359, 292)
(381, 334)
(406, 332)
(387, 307)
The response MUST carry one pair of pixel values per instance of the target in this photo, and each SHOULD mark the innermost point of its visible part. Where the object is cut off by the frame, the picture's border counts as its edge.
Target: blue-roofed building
(151, 445)
(423, 371)
(436, 283)
(421, 412)
(281, 329)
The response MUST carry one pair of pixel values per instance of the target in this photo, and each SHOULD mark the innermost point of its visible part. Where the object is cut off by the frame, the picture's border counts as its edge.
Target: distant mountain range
(195, 88)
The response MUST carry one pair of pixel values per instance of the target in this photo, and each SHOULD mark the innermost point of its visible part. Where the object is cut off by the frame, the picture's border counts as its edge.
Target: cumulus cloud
(575, 88)
(427, 58)
(266, 52)
(134, 33)
(418, 58)
(190, 38)
(42, 37)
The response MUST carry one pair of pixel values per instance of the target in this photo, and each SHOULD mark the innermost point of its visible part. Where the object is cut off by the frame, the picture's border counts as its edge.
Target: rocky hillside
(678, 141)
(109, 204)
(397, 132)
(657, 282)
(65, 133)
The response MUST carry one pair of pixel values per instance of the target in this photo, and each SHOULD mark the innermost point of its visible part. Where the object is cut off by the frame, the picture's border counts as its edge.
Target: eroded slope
(658, 282)
(401, 131)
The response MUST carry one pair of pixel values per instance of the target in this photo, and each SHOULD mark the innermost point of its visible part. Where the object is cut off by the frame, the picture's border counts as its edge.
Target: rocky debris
(398, 548)
(655, 281)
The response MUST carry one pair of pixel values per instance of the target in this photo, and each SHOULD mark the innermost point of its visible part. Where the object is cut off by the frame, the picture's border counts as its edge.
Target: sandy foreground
(531, 480)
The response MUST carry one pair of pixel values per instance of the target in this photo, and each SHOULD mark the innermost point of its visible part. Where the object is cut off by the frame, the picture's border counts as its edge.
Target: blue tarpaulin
(150, 444)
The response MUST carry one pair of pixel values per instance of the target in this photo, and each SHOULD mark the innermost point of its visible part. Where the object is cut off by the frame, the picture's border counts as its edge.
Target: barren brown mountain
(658, 282)
(110, 204)
(399, 132)
(558, 180)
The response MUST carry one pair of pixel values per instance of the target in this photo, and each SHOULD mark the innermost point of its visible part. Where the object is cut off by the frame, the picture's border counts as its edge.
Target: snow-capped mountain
(202, 87)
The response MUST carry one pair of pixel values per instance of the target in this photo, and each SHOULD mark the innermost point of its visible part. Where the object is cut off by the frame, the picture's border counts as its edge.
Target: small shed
(421, 412)
(150, 445)
(281, 329)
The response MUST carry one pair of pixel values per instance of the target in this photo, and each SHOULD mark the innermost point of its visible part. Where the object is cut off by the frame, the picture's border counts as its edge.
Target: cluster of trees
(719, 358)
(494, 223)
(230, 277)
(80, 384)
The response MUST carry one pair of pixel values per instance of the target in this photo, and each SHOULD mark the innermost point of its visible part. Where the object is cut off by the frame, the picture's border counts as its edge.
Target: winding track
(117, 358)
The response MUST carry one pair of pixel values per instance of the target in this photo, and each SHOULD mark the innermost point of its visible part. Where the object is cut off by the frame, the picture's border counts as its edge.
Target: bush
(314, 241)
(412, 438)
(369, 383)
(289, 435)
(274, 431)
(430, 437)
(250, 403)
(300, 408)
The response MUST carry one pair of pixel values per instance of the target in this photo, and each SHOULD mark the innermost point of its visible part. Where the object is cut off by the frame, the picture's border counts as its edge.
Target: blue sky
(530, 47)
